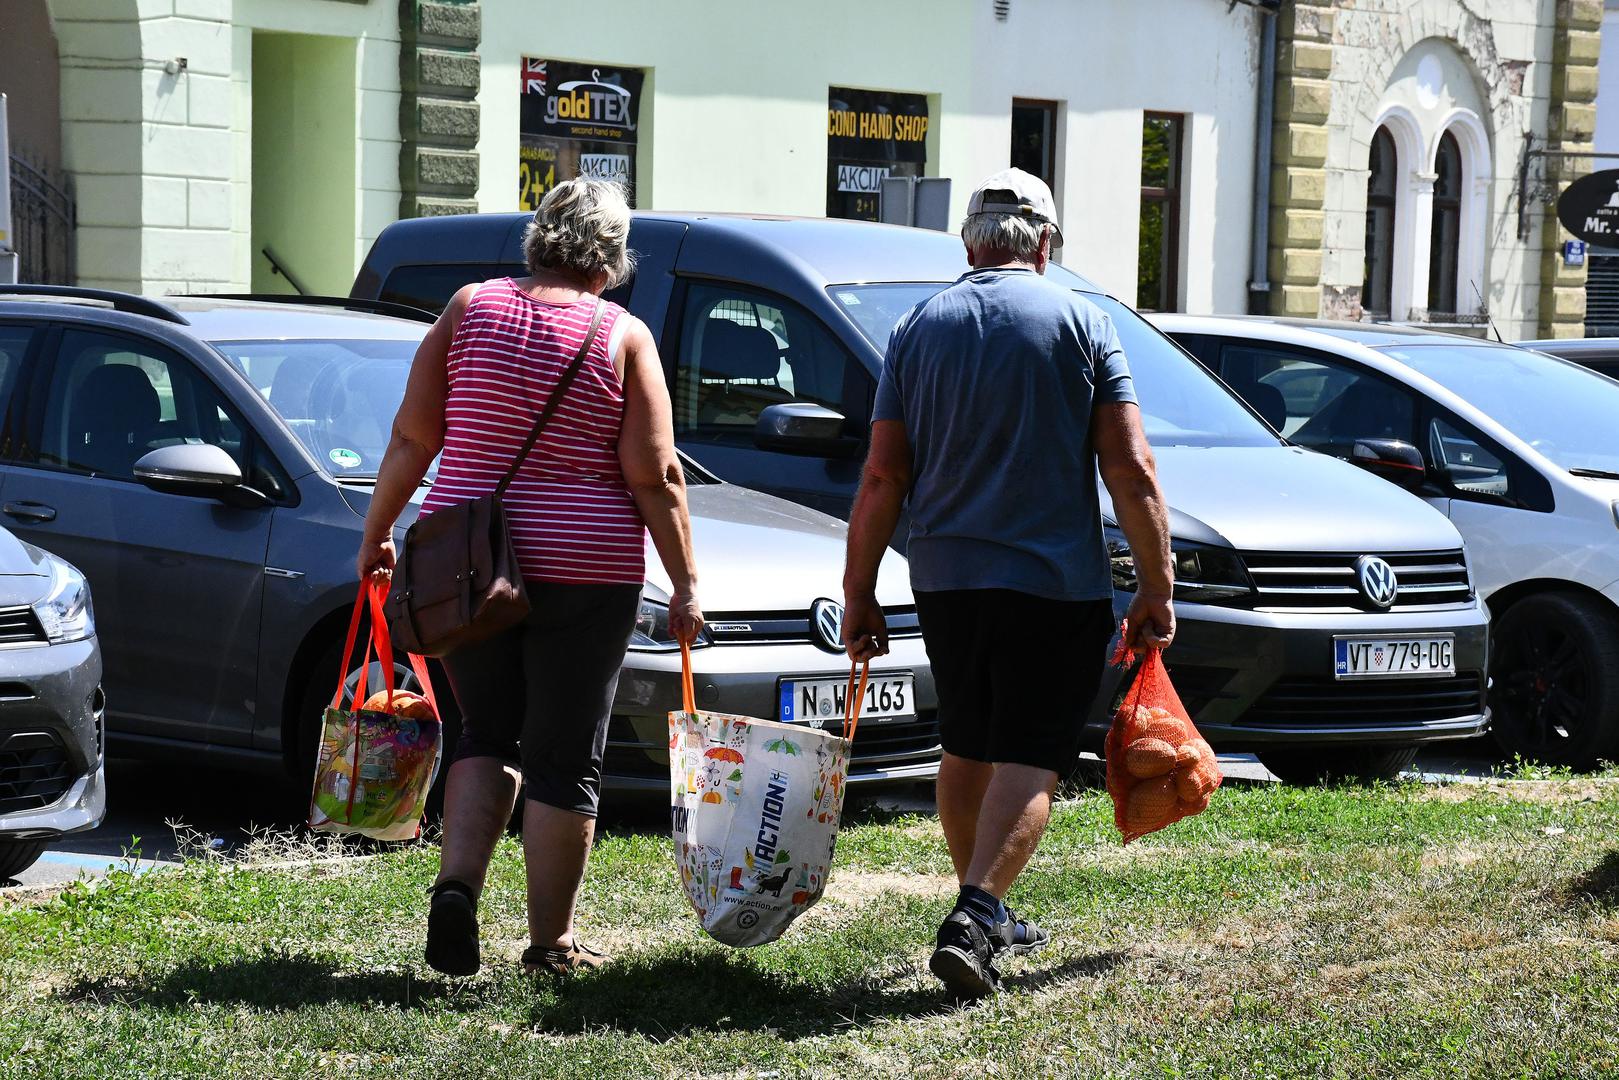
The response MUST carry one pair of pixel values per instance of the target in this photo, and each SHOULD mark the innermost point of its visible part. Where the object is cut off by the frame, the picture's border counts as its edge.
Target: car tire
(1339, 764)
(17, 856)
(318, 697)
(1554, 666)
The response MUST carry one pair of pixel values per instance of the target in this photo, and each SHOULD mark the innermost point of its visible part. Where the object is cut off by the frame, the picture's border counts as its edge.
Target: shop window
(742, 351)
(1034, 139)
(1377, 289)
(576, 119)
(1446, 236)
(870, 136)
(1157, 286)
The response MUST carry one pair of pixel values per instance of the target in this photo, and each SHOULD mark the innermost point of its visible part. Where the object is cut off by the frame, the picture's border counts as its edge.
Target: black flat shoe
(452, 930)
(961, 958)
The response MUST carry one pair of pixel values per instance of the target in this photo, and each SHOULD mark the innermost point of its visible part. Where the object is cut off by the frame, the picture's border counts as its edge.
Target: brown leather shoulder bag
(457, 579)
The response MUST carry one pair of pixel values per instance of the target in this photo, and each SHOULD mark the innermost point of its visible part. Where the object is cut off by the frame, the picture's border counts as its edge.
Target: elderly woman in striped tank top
(603, 474)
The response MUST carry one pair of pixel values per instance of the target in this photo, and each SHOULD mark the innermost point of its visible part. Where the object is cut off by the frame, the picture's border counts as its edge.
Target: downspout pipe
(1259, 273)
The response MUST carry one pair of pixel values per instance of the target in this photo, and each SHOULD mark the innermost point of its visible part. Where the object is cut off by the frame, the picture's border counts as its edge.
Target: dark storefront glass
(1158, 257)
(870, 135)
(576, 120)
(1034, 139)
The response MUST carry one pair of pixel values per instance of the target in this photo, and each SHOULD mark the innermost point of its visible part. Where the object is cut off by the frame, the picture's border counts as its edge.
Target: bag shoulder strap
(553, 401)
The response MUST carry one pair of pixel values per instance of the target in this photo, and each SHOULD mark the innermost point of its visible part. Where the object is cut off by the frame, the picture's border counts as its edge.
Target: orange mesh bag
(1159, 769)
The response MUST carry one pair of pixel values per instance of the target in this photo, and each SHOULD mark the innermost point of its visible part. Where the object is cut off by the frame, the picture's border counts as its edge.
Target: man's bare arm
(884, 486)
(1131, 477)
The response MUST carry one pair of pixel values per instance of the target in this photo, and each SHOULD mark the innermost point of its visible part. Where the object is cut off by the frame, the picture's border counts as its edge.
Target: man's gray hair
(582, 228)
(1013, 234)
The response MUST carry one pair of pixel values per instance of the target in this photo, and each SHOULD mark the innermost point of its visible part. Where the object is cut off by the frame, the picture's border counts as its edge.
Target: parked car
(1519, 448)
(772, 332)
(51, 769)
(208, 464)
(1599, 354)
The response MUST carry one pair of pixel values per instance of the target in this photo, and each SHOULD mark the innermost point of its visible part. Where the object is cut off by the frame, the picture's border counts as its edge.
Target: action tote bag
(457, 579)
(755, 807)
(378, 757)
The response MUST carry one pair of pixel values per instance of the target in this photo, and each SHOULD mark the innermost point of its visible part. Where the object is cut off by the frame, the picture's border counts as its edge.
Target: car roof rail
(348, 303)
(128, 303)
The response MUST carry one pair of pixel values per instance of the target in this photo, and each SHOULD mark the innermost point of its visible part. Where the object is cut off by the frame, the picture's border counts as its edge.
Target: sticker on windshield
(849, 299)
(344, 459)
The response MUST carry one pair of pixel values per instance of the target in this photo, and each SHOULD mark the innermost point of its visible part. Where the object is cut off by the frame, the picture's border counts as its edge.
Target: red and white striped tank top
(571, 516)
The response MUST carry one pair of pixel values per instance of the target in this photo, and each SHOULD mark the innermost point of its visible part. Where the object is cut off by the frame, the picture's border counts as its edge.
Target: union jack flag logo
(533, 76)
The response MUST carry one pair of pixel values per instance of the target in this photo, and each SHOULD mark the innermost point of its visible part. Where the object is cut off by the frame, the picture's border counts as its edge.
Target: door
(741, 350)
(176, 581)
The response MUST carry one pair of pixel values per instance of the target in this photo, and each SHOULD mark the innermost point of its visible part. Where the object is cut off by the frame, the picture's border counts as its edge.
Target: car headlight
(1202, 574)
(65, 613)
(652, 629)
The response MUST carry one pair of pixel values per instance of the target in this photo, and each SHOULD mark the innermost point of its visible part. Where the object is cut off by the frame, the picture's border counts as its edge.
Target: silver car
(208, 463)
(51, 707)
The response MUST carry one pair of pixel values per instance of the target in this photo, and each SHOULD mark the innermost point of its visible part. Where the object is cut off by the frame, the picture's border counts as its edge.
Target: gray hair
(583, 228)
(1013, 234)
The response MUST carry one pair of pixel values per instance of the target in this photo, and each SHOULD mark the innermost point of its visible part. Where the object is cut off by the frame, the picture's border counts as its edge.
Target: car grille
(34, 771)
(772, 627)
(1327, 583)
(20, 626)
(878, 745)
(1333, 702)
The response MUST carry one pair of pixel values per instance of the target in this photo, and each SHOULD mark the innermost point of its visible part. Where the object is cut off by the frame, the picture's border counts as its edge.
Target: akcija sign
(1590, 208)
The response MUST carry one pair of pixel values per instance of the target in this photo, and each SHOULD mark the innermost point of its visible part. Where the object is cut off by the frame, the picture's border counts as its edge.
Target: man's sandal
(577, 957)
(1018, 935)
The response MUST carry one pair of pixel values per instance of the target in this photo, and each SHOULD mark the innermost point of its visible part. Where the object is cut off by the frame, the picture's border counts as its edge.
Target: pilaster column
(1298, 159)
(439, 73)
(1576, 44)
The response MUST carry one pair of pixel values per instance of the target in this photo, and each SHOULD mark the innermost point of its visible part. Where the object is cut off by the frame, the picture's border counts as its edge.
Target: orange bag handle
(853, 698)
(371, 594)
(688, 693)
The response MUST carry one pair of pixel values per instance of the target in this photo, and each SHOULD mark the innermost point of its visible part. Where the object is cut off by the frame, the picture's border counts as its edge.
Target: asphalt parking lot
(150, 800)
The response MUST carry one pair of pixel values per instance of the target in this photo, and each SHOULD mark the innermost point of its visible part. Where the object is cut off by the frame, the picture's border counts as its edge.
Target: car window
(430, 287)
(1461, 460)
(742, 351)
(111, 399)
(1316, 401)
(14, 341)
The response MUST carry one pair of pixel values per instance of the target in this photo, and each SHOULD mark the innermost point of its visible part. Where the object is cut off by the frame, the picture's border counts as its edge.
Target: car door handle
(30, 511)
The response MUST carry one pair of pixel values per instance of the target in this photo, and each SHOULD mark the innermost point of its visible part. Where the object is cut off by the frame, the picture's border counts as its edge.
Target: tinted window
(430, 286)
(111, 399)
(1466, 463)
(742, 351)
(1321, 403)
(14, 341)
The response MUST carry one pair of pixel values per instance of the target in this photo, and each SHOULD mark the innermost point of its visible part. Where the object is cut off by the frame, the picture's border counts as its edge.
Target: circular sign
(1590, 208)
(747, 920)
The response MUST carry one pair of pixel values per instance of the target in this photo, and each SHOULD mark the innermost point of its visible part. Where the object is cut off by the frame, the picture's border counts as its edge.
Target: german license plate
(1388, 658)
(822, 701)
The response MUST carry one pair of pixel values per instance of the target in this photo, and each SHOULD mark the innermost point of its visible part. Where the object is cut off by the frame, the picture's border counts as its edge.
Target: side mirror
(1395, 460)
(200, 470)
(803, 427)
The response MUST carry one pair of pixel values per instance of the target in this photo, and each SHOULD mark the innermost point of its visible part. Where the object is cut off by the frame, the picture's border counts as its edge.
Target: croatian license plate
(1401, 657)
(822, 701)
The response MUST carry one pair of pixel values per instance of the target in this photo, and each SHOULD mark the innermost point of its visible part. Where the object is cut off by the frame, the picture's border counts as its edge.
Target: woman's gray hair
(582, 228)
(1016, 236)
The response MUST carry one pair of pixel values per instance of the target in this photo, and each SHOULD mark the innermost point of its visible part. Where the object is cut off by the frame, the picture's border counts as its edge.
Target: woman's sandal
(577, 957)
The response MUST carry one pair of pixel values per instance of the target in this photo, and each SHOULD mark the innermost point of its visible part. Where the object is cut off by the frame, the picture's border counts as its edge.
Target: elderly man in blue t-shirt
(999, 399)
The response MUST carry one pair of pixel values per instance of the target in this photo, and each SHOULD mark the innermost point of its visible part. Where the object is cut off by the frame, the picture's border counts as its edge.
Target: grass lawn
(1405, 931)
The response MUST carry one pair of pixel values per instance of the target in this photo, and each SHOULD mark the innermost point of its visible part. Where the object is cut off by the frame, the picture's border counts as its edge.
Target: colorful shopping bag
(377, 758)
(755, 807)
(1159, 768)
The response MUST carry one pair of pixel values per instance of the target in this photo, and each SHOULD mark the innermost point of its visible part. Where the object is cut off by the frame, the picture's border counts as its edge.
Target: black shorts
(1016, 673)
(539, 695)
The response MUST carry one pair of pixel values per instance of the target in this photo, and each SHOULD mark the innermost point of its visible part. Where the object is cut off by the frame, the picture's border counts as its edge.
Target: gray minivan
(1329, 620)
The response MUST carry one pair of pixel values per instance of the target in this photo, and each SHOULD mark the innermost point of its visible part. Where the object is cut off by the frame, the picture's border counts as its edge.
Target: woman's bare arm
(418, 435)
(646, 453)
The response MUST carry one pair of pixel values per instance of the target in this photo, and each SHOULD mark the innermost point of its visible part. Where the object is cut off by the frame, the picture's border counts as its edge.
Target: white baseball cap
(1013, 191)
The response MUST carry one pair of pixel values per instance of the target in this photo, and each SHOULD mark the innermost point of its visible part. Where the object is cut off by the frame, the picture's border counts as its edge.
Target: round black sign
(1590, 208)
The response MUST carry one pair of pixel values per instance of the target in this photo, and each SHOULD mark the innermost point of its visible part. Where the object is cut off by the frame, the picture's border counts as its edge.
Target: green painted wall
(303, 190)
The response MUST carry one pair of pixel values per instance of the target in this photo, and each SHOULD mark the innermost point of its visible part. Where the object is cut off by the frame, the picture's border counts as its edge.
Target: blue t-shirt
(995, 378)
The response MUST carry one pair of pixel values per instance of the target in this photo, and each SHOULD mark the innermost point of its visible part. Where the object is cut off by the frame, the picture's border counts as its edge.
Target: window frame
(859, 388)
(1048, 110)
(1171, 198)
(1389, 165)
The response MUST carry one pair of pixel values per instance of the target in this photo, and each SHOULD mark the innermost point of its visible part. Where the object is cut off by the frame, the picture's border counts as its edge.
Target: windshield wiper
(1595, 474)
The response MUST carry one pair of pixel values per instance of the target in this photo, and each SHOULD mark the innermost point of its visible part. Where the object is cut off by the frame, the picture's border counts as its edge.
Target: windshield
(1561, 409)
(1181, 403)
(338, 397)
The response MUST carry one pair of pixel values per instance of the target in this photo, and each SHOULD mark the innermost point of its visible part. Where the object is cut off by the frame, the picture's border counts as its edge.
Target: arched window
(1377, 290)
(1447, 221)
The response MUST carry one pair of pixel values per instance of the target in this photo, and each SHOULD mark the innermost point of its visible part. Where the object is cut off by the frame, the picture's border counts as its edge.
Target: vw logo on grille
(1377, 580)
(826, 617)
